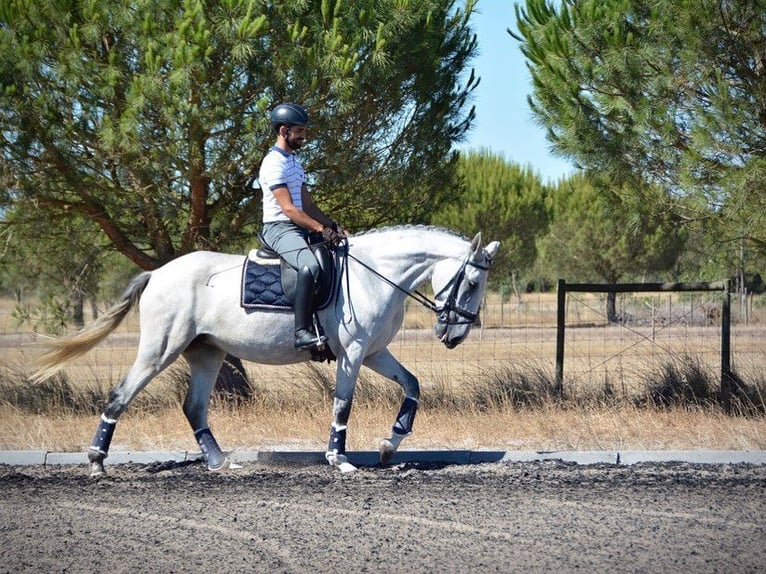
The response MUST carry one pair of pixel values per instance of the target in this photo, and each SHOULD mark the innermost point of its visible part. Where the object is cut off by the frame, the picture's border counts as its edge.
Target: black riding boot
(305, 334)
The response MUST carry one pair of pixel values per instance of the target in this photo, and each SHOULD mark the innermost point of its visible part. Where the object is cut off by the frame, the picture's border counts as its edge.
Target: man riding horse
(290, 215)
(207, 321)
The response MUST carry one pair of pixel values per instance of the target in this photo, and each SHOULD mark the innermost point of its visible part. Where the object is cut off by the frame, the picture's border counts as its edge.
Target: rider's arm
(312, 210)
(298, 216)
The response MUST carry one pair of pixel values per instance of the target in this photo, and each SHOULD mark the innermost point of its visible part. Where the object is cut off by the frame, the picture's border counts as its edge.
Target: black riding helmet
(289, 114)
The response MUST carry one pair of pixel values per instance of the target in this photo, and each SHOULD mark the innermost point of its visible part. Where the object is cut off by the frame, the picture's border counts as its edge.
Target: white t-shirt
(280, 168)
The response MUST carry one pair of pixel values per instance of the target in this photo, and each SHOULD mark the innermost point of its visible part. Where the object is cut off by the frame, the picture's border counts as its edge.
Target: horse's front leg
(384, 363)
(345, 383)
(402, 428)
(336, 448)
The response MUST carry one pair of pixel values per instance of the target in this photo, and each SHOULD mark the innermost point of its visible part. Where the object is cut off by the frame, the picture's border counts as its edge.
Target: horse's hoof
(387, 451)
(340, 461)
(226, 464)
(334, 458)
(97, 470)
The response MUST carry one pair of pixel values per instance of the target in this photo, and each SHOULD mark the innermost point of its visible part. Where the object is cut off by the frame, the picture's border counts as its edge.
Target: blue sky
(504, 121)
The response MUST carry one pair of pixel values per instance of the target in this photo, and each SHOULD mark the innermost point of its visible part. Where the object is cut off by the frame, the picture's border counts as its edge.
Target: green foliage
(149, 118)
(503, 201)
(668, 92)
(58, 263)
(118, 271)
(599, 235)
(51, 315)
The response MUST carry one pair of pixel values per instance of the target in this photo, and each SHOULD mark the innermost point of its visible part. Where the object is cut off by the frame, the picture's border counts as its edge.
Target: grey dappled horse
(191, 307)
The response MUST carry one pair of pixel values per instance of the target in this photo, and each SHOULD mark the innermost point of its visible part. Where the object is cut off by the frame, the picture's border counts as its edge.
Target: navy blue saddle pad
(262, 286)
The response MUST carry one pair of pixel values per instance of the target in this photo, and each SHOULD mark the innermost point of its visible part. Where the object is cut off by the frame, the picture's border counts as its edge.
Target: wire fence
(652, 331)
(516, 334)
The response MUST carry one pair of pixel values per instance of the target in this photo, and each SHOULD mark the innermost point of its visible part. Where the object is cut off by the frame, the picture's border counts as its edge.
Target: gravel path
(500, 517)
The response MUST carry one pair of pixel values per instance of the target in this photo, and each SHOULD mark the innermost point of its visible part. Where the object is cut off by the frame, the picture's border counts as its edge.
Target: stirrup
(317, 341)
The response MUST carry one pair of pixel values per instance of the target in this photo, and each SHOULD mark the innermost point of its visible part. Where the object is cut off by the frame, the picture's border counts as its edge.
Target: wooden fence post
(560, 324)
(727, 380)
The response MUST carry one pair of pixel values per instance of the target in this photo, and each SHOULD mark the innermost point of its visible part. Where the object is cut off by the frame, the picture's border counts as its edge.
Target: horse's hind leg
(137, 378)
(205, 363)
(384, 363)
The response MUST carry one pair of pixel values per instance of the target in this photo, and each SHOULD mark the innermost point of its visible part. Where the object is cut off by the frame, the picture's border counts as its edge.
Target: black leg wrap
(406, 416)
(103, 437)
(209, 447)
(337, 440)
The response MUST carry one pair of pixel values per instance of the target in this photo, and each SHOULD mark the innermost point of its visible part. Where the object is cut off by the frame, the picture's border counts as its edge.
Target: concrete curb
(370, 458)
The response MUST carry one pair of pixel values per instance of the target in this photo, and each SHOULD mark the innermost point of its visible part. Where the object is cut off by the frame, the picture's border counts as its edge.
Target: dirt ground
(500, 517)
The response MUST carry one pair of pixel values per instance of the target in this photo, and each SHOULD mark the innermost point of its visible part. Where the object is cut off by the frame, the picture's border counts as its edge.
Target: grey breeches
(290, 241)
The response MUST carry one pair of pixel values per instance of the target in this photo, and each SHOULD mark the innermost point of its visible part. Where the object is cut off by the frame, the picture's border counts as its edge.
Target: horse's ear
(476, 243)
(492, 248)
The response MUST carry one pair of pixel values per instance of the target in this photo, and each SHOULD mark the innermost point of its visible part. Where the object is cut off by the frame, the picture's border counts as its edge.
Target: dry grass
(492, 392)
(551, 428)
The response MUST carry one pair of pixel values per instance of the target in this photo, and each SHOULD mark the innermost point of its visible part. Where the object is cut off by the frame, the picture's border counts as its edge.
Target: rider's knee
(311, 264)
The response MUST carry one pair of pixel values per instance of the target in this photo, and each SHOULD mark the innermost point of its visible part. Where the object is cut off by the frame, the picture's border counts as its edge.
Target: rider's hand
(331, 236)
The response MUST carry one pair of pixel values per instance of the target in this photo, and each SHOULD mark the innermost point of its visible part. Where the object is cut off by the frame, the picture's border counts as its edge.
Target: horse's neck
(409, 272)
(408, 259)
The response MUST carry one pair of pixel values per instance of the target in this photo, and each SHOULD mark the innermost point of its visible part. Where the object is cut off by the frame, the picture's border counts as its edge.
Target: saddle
(268, 282)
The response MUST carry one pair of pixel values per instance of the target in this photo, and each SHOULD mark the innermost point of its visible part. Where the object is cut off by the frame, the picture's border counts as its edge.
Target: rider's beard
(294, 142)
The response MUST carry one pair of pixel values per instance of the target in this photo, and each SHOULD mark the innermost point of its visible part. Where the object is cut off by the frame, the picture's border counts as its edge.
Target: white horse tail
(64, 350)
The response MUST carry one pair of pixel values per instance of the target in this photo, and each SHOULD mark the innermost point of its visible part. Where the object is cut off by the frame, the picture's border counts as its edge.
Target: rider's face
(295, 136)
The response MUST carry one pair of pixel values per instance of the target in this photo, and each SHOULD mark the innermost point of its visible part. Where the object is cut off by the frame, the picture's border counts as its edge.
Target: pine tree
(597, 235)
(150, 118)
(669, 93)
(505, 202)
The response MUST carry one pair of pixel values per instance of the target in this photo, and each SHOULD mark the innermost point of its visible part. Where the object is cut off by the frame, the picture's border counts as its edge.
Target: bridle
(450, 306)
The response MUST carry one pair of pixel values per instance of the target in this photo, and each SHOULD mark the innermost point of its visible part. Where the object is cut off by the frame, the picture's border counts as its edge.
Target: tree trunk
(232, 384)
(611, 308)
(78, 314)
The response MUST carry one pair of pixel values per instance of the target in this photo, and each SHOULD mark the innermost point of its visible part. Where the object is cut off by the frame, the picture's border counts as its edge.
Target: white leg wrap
(396, 439)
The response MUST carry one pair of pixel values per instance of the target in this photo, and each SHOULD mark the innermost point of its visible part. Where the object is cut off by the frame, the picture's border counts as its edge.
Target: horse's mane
(414, 227)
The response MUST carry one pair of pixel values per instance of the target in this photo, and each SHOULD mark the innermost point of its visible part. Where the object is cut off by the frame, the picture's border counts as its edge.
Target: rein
(450, 304)
(417, 295)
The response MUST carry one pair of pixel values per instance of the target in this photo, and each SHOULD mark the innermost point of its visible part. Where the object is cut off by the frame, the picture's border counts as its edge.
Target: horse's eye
(472, 284)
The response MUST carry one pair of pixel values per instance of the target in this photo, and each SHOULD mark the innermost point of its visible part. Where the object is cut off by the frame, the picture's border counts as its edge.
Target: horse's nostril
(452, 343)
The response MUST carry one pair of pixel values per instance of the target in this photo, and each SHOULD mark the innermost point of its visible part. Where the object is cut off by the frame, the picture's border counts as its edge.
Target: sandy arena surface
(499, 517)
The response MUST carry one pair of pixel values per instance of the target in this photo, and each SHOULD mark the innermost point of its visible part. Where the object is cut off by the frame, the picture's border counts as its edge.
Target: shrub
(681, 382)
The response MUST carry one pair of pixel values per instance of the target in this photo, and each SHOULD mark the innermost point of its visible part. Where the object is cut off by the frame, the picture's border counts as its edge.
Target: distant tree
(149, 119)
(61, 272)
(706, 258)
(503, 200)
(668, 93)
(599, 235)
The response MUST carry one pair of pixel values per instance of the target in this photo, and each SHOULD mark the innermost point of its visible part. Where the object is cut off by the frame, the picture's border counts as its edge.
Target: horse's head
(459, 293)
